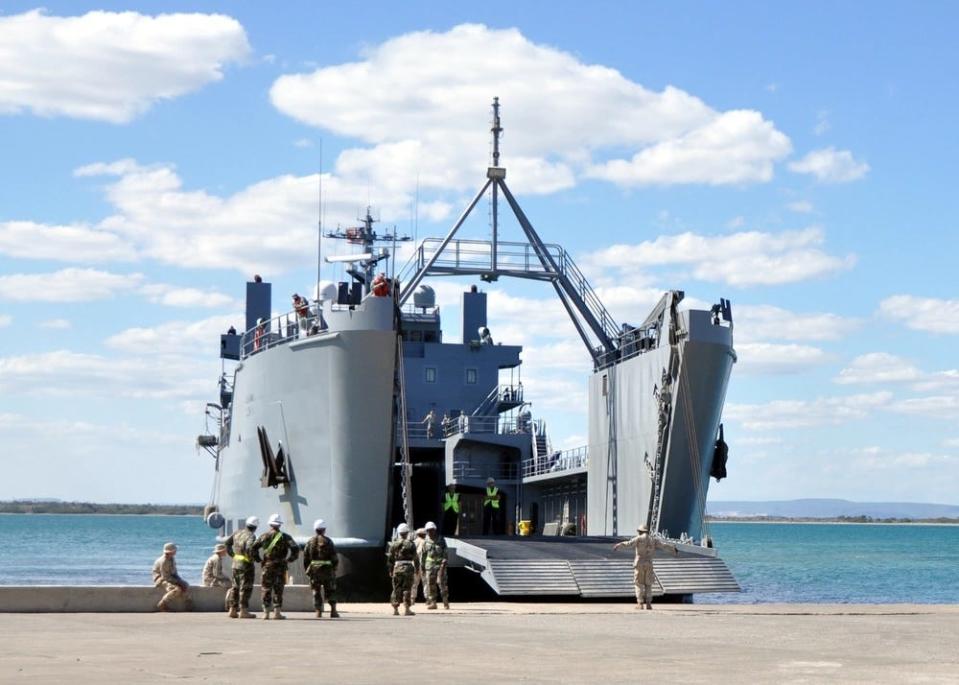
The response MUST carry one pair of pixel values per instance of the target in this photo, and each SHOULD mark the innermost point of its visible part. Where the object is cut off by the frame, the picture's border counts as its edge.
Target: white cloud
(786, 414)
(766, 322)
(409, 106)
(936, 406)
(877, 458)
(822, 122)
(739, 259)
(878, 367)
(303, 142)
(176, 337)
(800, 206)
(940, 380)
(56, 324)
(922, 313)
(5, 320)
(772, 358)
(172, 296)
(76, 243)
(67, 373)
(951, 442)
(269, 226)
(66, 285)
(735, 148)
(830, 165)
(111, 66)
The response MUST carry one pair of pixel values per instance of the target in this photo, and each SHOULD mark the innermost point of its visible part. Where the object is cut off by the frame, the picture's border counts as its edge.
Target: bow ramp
(585, 567)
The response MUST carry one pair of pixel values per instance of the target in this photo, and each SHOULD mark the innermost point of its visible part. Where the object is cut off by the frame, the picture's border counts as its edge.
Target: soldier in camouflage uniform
(643, 575)
(403, 565)
(433, 563)
(320, 562)
(240, 547)
(165, 576)
(274, 550)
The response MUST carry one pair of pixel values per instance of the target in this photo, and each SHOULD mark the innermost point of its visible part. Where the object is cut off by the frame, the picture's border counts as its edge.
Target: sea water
(854, 563)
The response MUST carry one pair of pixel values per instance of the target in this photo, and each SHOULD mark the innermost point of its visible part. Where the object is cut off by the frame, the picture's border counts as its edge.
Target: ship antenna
(319, 222)
(497, 129)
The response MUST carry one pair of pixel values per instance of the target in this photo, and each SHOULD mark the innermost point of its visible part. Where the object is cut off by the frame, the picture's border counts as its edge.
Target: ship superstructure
(362, 414)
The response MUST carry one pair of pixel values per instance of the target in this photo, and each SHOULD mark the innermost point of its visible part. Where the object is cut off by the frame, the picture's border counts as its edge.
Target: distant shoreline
(841, 521)
(29, 507)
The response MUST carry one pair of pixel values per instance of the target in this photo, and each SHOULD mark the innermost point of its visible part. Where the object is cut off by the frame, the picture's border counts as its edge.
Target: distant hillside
(36, 506)
(832, 508)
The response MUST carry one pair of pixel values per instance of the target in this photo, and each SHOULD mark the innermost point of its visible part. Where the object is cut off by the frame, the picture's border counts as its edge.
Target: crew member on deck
(451, 510)
(302, 308)
(491, 507)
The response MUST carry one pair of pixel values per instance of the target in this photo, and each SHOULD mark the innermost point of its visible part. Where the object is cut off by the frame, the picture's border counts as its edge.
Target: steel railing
(558, 462)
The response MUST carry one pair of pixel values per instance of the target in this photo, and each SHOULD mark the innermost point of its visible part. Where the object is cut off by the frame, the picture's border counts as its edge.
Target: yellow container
(525, 527)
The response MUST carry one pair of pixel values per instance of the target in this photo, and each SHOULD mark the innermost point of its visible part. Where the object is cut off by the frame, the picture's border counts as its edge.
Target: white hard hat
(259, 321)
(402, 529)
(253, 522)
(319, 524)
(429, 526)
(276, 520)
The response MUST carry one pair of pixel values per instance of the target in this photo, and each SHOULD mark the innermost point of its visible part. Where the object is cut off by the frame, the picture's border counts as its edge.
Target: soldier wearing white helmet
(274, 550)
(320, 562)
(403, 565)
(240, 547)
(433, 563)
(165, 576)
(643, 575)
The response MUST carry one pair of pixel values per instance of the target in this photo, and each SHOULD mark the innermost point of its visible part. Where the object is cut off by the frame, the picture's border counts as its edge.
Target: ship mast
(364, 235)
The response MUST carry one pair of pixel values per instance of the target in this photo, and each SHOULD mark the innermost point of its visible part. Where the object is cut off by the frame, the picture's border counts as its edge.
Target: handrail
(558, 462)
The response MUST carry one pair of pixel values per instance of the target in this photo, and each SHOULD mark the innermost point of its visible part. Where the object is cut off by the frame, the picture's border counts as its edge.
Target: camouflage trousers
(323, 584)
(403, 577)
(239, 595)
(272, 583)
(643, 578)
(436, 580)
(173, 591)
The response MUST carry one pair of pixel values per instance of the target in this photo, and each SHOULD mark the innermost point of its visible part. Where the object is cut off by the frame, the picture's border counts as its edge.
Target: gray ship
(355, 410)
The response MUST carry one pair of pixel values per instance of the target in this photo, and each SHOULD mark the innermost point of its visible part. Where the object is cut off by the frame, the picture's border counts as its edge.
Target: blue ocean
(772, 562)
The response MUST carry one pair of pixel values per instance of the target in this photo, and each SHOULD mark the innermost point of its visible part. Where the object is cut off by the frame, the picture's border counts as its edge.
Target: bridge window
(429, 374)
(471, 376)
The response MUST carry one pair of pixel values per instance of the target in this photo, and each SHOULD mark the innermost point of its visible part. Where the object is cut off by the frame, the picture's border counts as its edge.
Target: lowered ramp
(585, 567)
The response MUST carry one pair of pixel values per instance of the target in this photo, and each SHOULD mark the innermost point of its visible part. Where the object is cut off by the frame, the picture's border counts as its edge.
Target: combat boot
(319, 613)
(244, 613)
(446, 604)
(408, 611)
(333, 612)
(233, 613)
(649, 607)
(266, 614)
(162, 606)
(431, 605)
(277, 616)
(396, 610)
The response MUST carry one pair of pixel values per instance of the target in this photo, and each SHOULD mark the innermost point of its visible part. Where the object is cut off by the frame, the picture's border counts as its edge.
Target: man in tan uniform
(643, 575)
(166, 577)
(419, 580)
(213, 575)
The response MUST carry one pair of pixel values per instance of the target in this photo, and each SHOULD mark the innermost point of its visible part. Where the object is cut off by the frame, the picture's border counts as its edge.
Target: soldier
(320, 562)
(240, 547)
(433, 563)
(491, 508)
(213, 575)
(419, 580)
(165, 576)
(403, 566)
(274, 550)
(643, 575)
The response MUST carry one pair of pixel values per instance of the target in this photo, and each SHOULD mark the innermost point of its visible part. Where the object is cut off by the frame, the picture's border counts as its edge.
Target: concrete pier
(494, 642)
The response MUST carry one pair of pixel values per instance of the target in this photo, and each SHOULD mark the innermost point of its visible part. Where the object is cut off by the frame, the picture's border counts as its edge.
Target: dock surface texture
(494, 642)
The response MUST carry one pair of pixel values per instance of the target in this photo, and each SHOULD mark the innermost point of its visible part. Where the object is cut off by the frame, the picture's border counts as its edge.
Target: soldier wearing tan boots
(643, 575)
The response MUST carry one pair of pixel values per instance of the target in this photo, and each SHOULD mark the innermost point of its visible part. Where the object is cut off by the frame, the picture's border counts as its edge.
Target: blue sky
(798, 161)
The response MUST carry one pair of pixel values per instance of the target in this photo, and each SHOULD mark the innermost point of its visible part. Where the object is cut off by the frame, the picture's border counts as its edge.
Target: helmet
(276, 520)
(169, 547)
(402, 529)
(219, 547)
(259, 321)
(429, 526)
(490, 480)
(319, 524)
(253, 522)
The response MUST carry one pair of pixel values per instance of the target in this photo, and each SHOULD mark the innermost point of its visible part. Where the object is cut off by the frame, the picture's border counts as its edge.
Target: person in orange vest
(381, 285)
(491, 508)
(302, 308)
(451, 510)
(258, 335)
